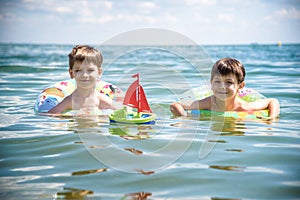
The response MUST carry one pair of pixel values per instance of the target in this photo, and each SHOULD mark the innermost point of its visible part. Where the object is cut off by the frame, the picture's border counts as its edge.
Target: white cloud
(94, 20)
(282, 14)
(200, 2)
(63, 9)
(136, 18)
(105, 19)
(268, 18)
(170, 18)
(225, 17)
(39, 5)
(147, 5)
(124, 18)
(108, 4)
(86, 12)
(201, 19)
(292, 13)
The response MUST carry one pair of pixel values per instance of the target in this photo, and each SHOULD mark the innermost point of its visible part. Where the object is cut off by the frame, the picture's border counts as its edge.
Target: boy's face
(86, 74)
(225, 87)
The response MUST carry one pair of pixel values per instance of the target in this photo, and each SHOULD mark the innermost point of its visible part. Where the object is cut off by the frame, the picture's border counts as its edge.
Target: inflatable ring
(54, 94)
(245, 94)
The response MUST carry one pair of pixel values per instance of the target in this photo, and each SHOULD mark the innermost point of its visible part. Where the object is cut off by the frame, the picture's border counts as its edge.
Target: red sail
(131, 97)
(135, 97)
(144, 106)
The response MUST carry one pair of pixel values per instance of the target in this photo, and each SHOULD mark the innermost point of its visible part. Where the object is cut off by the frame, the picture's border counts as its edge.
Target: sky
(202, 21)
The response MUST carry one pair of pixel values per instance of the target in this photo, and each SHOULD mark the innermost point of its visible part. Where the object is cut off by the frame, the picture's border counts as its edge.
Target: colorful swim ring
(54, 94)
(246, 94)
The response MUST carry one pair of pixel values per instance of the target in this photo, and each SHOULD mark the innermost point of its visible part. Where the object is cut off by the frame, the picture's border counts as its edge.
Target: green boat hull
(131, 117)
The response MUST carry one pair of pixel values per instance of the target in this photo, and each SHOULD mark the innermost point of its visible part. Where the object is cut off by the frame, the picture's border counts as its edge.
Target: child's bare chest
(85, 102)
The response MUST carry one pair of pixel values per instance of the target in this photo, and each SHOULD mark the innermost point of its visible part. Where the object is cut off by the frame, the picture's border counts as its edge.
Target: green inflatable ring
(246, 94)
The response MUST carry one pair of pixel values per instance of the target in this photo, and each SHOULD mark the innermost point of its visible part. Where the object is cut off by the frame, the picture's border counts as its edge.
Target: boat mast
(138, 91)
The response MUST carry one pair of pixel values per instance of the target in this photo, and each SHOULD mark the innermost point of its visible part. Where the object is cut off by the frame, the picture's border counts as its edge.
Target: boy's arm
(274, 108)
(65, 104)
(105, 102)
(179, 108)
(270, 103)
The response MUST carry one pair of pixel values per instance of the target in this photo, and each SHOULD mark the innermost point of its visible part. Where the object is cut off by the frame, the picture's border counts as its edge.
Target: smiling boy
(227, 78)
(85, 66)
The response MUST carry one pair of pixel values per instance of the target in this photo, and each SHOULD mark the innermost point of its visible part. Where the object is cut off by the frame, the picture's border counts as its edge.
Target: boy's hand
(177, 109)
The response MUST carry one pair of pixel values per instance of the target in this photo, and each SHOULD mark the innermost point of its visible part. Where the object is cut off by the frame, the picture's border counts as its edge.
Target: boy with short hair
(227, 78)
(85, 67)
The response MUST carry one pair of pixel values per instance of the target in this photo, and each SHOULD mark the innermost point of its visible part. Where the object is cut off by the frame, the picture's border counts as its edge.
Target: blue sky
(203, 21)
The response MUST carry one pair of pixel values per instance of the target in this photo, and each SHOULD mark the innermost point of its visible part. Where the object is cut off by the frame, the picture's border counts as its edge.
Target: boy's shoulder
(208, 99)
(203, 104)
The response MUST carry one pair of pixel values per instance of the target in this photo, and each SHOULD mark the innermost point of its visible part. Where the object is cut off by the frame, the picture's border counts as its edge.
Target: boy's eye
(77, 70)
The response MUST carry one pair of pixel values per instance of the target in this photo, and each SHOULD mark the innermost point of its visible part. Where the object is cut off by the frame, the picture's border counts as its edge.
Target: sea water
(45, 157)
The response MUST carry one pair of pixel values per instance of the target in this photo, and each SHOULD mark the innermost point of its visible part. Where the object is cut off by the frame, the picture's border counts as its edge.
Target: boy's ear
(100, 71)
(71, 73)
(242, 85)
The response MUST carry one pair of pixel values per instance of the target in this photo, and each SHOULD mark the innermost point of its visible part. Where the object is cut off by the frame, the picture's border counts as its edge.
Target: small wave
(26, 69)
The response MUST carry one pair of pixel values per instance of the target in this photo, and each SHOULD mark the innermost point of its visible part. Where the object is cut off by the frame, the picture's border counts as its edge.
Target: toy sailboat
(135, 98)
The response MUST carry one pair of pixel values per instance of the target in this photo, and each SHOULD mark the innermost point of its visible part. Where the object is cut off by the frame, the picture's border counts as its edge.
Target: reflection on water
(135, 151)
(250, 169)
(73, 193)
(137, 196)
(145, 172)
(81, 123)
(229, 126)
(235, 150)
(229, 168)
(223, 198)
(132, 132)
(91, 171)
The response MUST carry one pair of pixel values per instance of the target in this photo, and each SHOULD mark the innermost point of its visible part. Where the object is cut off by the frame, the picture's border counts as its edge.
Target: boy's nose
(85, 74)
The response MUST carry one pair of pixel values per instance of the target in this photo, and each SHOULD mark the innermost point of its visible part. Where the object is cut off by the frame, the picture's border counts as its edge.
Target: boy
(227, 77)
(85, 66)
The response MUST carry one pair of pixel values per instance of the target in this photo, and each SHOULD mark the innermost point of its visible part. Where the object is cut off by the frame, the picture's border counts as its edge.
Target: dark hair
(87, 53)
(226, 66)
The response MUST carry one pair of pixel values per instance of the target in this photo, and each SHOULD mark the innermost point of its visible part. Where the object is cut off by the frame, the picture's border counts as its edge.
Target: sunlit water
(44, 157)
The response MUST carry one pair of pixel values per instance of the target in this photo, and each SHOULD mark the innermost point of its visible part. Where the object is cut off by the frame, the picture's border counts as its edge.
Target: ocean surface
(45, 157)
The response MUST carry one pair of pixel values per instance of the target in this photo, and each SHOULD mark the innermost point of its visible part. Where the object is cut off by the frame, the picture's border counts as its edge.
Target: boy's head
(84, 53)
(226, 66)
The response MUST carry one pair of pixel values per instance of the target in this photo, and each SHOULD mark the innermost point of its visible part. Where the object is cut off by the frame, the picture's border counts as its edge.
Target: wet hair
(226, 66)
(85, 53)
